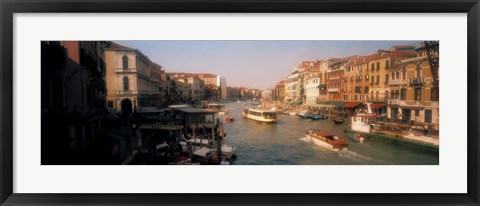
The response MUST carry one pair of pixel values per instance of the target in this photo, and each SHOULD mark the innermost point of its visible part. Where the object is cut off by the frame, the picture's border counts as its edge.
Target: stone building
(128, 79)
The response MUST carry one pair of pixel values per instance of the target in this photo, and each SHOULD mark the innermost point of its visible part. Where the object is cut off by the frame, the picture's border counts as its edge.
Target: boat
(317, 117)
(359, 138)
(364, 122)
(229, 119)
(303, 114)
(260, 115)
(206, 147)
(220, 108)
(339, 120)
(326, 139)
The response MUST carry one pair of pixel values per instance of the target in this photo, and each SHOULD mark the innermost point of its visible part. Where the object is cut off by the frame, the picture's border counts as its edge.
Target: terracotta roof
(119, 46)
(403, 47)
(402, 53)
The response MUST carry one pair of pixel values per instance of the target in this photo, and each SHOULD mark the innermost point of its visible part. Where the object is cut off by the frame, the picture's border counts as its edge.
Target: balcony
(334, 78)
(376, 99)
(419, 81)
(132, 92)
(393, 101)
(129, 70)
(333, 89)
(396, 82)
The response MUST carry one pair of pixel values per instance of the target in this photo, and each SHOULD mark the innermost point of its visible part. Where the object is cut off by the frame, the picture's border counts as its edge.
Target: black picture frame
(10, 7)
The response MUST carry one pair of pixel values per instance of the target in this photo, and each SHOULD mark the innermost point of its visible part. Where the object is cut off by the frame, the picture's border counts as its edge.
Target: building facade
(73, 99)
(414, 96)
(128, 79)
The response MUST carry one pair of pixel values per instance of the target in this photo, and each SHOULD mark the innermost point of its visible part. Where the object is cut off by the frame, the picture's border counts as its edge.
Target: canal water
(284, 143)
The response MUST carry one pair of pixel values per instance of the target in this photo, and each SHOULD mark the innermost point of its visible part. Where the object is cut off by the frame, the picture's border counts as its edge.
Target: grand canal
(284, 143)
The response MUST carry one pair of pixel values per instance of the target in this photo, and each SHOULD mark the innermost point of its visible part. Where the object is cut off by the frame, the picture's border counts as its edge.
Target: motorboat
(326, 139)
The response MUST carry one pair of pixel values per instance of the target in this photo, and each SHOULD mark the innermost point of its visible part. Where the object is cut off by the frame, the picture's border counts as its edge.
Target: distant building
(278, 93)
(157, 85)
(222, 85)
(312, 88)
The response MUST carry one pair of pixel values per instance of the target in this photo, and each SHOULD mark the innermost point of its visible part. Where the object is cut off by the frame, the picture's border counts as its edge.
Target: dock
(422, 142)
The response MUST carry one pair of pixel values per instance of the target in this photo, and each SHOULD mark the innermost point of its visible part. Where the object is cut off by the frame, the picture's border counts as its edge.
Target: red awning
(351, 105)
(377, 106)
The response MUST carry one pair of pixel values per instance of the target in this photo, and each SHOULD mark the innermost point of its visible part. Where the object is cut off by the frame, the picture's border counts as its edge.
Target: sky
(248, 63)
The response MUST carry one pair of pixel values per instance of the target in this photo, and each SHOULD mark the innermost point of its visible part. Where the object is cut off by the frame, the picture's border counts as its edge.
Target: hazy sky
(254, 64)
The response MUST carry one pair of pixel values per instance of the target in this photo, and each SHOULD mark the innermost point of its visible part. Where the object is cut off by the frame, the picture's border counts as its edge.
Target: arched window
(397, 94)
(125, 61)
(125, 83)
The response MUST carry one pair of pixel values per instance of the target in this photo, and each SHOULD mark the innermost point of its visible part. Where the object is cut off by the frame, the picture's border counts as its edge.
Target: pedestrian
(425, 130)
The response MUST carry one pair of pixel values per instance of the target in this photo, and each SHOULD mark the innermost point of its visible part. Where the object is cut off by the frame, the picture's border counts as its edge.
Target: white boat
(220, 108)
(364, 122)
(326, 139)
(260, 115)
(227, 151)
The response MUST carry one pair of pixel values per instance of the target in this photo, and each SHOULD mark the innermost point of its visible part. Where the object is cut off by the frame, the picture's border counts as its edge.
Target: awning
(338, 104)
(295, 103)
(377, 106)
(351, 105)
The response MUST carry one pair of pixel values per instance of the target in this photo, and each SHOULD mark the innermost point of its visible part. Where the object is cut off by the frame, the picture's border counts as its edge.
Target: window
(417, 112)
(434, 95)
(366, 76)
(386, 78)
(125, 61)
(403, 94)
(373, 66)
(358, 89)
(419, 69)
(378, 65)
(125, 83)
(110, 104)
(418, 94)
(387, 64)
(366, 89)
(378, 79)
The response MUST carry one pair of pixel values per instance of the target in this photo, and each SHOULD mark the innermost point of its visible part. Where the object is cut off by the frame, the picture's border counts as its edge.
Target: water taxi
(260, 115)
(220, 108)
(229, 119)
(364, 122)
(326, 139)
(339, 120)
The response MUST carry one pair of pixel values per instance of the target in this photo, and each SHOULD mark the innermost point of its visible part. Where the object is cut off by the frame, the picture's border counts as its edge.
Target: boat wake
(356, 156)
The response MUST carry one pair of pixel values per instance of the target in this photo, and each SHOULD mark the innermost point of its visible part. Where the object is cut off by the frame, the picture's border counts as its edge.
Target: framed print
(264, 102)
